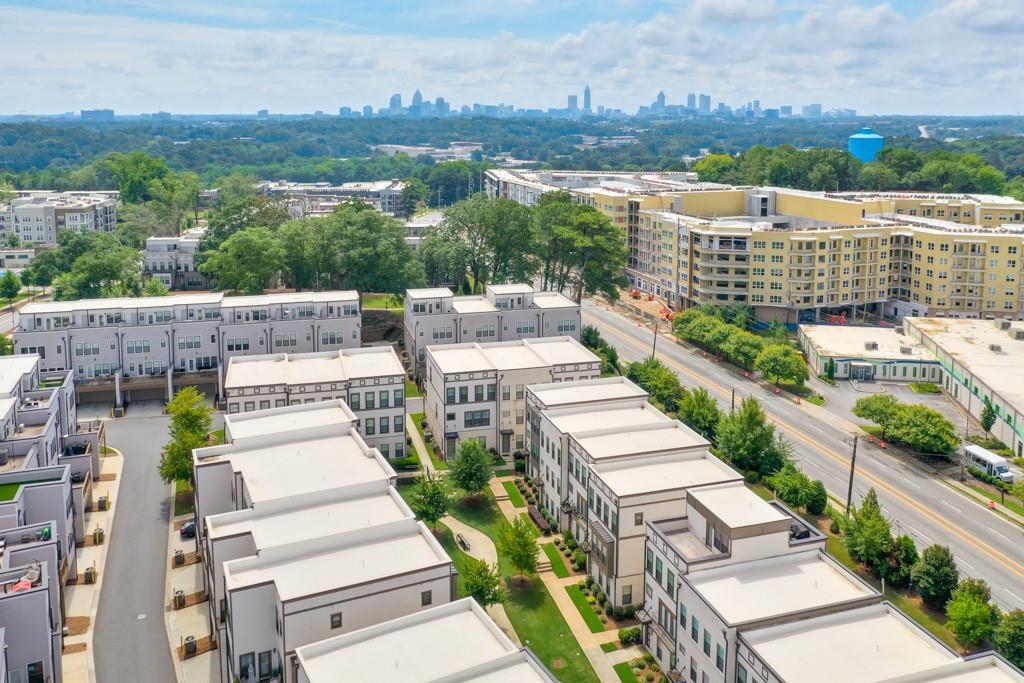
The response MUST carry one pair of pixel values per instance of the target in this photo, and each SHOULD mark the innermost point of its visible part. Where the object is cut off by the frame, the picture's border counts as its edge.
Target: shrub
(649, 677)
(751, 477)
(834, 527)
(604, 620)
(609, 610)
(519, 466)
(619, 612)
(627, 635)
(590, 581)
(655, 668)
(591, 599)
(648, 657)
(579, 557)
(816, 498)
(423, 423)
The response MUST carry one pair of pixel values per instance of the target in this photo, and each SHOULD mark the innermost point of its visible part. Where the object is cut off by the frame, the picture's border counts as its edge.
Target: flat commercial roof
(312, 368)
(984, 669)
(561, 351)
(210, 298)
(849, 341)
(736, 505)
(335, 562)
(555, 394)
(776, 586)
(311, 516)
(472, 304)
(967, 341)
(873, 643)
(576, 420)
(663, 473)
(658, 437)
(428, 293)
(509, 355)
(421, 647)
(12, 369)
(287, 419)
(553, 300)
(515, 288)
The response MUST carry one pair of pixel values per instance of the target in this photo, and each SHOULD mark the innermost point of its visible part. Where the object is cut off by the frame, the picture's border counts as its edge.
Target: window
(369, 402)
(370, 426)
(682, 615)
(650, 559)
(638, 519)
(694, 628)
(741, 674)
(383, 398)
(336, 620)
(657, 570)
(707, 643)
(250, 406)
(449, 395)
(670, 583)
(264, 664)
(426, 598)
(566, 326)
(627, 595)
(385, 426)
(506, 392)
(399, 395)
(478, 392)
(284, 341)
(477, 418)
(463, 394)
(353, 401)
(519, 391)
(720, 658)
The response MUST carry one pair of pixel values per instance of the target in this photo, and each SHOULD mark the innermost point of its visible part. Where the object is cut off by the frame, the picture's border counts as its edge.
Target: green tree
(100, 267)
(972, 616)
(830, 369)
(432, 499)
(882, 409)
(715, 168)
(517, 540)
(373, 254)
(471, 468)
(499, 236)
(10, 287)
(743, 347)
(791, 485)
(235, 186)
(867, 533)
(552, 224)
(138, 222)
(135, 173)
(988, 412)
(749, 441)
(482, 582)
(656, 379)
(782, 362)
(877, 177)
(444, 257)
(246, 261)
(902, 558)
(176, 458)
(777, 332)
(1009, 637)
(935, 576)
(189, 428)
(6, 346)
(816, 498)
(414, 194)
(599, 254)
(234, 215)
(700, 411)
(738, 313)
(154, 287)
(925, 429)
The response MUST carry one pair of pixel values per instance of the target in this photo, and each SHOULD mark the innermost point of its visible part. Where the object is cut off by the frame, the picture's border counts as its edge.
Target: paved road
(130, 647)
(986, 545)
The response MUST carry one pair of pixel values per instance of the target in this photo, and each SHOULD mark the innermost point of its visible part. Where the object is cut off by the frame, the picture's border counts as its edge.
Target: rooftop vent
(870, 346)
(996, 348)
(1002, 324)
(907, 350)
(1017, 333)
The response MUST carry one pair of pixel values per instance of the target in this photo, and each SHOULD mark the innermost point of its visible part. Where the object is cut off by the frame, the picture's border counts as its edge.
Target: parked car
(188, 529)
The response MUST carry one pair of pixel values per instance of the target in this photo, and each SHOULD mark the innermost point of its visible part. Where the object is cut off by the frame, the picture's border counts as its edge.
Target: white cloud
(874, 58)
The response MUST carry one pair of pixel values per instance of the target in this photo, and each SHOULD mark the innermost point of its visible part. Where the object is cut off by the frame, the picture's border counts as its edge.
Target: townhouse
(621, 494)
(436, 316)
(172, 260)
(478, 391)
(982, 362)
(328, 586)
(31, 619)
(452, 642)
(144, 346)
(370, 380)
(38, 505)
(38, 216)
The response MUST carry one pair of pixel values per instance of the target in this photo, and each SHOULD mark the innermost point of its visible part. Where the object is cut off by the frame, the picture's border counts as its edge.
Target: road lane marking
(1012, 565)
(946, 502)
(1019, 599)
(919, 534)
(968, 565)
(1002, 536)
(916, 486)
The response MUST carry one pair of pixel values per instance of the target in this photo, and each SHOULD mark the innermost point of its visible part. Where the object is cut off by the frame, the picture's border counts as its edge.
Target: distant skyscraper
(786, 110)
(417, 98)
(441, 106)
(586, 98)
(705, 104)
(811, 110)
(262, 114)
(660, 100)
(368, 112)
(573, 106)
(396, 102)
(345, 112)
(97, 114)
(691, 101)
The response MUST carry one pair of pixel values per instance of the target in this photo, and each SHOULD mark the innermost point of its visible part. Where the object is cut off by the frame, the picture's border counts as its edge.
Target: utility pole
(732, 406)
(849, 489)
(654, 345)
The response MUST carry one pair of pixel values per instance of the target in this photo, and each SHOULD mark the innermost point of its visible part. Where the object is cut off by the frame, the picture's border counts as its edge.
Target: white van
(988, 462)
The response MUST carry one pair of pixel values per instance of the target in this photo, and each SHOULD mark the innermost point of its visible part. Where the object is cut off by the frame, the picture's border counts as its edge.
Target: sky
(234, 56)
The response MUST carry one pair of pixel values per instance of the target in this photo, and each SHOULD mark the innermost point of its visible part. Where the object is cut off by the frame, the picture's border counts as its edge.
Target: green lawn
(925, 388)
(534, 615)
(817, 400)
(625, 673)
(216, 437)
(609, 647)
(380, 301)
(1009, 502)
(411, 390)
(555, 555)
(586, 610)
(514, 496)
(438, 463)
(184, 499)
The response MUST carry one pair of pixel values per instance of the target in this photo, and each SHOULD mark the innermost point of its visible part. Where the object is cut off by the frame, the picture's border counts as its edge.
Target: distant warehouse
(868, 353)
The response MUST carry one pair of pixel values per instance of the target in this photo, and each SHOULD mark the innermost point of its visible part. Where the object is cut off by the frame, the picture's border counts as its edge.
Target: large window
(477, 418)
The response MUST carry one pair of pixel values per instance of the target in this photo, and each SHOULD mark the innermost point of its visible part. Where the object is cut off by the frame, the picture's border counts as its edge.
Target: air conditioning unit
(870, 346)
(1017, 333)
(20, 428)
(995, 348)
(907, 350)
(1002, 324)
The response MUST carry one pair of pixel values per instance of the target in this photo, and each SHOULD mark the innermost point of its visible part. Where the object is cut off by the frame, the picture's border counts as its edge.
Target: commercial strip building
(436, 316)
(145, 346)
(981, 360)
(370, 380)
(16, 259)
(38, 216)
(478, 391)
(453, 642)
(172, 260)
(306, 198)
(868, 353)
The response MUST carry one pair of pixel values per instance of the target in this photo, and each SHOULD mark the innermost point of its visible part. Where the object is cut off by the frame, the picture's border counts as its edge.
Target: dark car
(188, 529)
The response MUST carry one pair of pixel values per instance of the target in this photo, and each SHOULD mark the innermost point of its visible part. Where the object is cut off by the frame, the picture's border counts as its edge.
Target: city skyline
(241, 57)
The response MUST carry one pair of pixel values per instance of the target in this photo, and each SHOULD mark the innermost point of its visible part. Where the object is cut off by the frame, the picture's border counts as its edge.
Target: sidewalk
(82, 599)
(419, 445)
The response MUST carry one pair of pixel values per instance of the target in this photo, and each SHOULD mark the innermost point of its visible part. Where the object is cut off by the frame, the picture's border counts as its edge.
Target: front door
(35, 673)
(449, 447)
(506, 442)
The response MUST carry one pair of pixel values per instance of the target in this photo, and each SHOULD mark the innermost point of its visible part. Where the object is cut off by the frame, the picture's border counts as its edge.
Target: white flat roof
(428, 293)
(514, 288)
(312, 368)
(287, 419)
(848, 341)
(554, 394)
(629, 477)
(967, 341)
(472, 304)
(309, 516)
(509, 355)
(984, 669)
(658, 437)
(421, 647)
(736, 505)
(561, 351)
(335, 562)
(864, 645)
(776, 586)
(459, 358)
(12, 369)
(553, 300)
(209, 298)
(587, 418)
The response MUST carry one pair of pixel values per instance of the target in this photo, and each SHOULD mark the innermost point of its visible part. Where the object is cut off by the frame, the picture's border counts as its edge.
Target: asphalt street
(986, 545)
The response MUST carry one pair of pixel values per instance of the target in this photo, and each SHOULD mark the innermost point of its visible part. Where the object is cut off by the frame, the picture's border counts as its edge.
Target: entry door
(449, 447)
(35, 673)
(506, 442)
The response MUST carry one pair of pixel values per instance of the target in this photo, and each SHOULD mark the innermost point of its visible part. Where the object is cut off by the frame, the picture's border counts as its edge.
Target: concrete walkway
(417, 442)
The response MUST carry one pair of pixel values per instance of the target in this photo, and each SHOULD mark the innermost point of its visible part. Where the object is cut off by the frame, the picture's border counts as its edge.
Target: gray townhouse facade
(172, 260)
(146, 346)
(435, 316)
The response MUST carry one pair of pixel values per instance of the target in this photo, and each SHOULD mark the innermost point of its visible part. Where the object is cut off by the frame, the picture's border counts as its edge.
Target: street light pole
(849, 488)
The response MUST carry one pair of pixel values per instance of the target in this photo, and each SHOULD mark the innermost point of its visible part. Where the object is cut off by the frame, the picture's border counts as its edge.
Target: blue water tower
(865, 144)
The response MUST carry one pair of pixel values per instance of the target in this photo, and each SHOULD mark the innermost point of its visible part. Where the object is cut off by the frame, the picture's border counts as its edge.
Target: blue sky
(911, 56)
